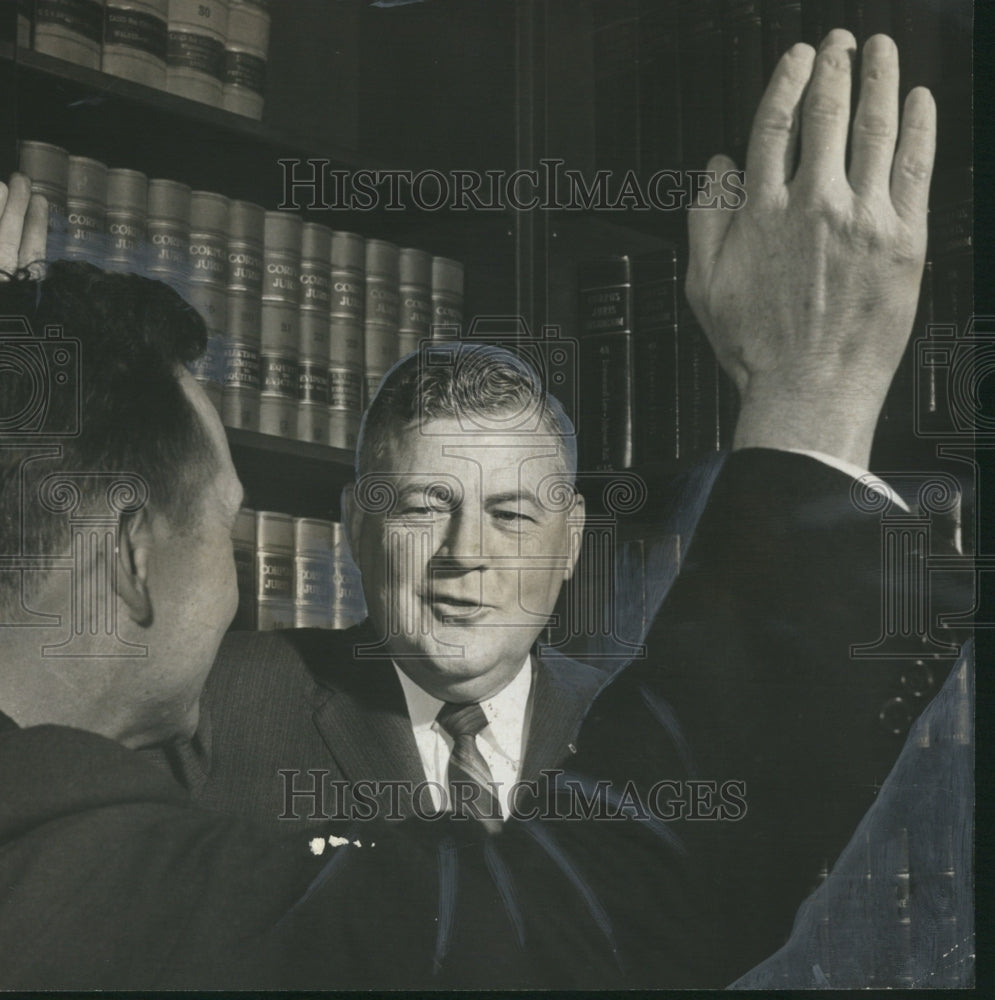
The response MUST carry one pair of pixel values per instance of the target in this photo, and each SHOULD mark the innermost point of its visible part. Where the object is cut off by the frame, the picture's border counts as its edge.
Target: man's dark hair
(134, 417)
(483, 386)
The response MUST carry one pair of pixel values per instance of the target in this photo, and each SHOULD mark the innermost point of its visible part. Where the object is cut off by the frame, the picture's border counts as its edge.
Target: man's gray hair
(486, 388)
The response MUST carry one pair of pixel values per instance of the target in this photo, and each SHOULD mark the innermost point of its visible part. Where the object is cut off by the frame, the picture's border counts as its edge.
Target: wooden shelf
(295, 477)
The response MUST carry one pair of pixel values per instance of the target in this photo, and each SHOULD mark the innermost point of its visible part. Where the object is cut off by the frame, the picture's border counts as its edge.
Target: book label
(241, 367)
(81, 17)
(345, 389)
(127, 28)
(278, 376)
(383, 303)
(243, 69)
(210, 366)
(199, 53)
(313, 382)
(275, 575)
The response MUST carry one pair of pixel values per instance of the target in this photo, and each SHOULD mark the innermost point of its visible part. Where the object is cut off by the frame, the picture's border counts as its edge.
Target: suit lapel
(366, 727)
(552, 719)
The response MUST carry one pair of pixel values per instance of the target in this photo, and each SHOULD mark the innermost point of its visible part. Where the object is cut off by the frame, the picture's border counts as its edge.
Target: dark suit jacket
(751, 677)
(298, 700)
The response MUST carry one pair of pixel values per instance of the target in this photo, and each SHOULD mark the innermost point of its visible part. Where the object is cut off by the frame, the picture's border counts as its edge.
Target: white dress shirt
(499, 742)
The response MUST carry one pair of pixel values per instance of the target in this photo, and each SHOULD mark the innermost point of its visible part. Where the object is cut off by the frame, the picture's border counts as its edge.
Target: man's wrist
(818, 419)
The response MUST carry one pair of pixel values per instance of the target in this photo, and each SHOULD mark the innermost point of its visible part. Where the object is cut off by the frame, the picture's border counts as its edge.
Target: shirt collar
(505, 710)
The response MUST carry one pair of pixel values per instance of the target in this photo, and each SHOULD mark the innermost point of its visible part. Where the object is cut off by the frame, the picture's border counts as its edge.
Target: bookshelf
(446, 85)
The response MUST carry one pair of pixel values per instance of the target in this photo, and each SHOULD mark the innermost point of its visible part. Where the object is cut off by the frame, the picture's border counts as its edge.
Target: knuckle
(774, 121)
(912, 168)
(835, 58)
(823, 108)
(874, 126)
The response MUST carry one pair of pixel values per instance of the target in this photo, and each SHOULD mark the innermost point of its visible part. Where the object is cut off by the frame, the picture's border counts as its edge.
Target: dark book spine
(819, 17)
(616, 85)
(868, 17)
(655, 313)
(782, 28)
(70, 29)
(701, 82)
(697, 401)
(742, 67)
(660, 107)
(607, 411)
(952, 247)
(916, 30)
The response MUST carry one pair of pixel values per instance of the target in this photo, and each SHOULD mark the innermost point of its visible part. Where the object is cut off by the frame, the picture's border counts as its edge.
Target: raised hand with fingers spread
(808, 292)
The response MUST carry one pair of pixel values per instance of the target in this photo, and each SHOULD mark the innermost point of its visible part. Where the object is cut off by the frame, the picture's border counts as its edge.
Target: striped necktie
(471, 790)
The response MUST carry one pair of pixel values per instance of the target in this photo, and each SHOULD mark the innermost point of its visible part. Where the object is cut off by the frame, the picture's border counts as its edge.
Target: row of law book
(303, 321)
(652, 393)
(938, 393)
(213, 51)
(677, 81)
(294, 572)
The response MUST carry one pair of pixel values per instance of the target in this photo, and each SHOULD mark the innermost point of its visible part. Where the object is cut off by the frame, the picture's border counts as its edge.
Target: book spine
(698, 415)
(48, 168)
(616, 85)
(701, 82)
(240, 395)
(315, 298)
(280, 338)
(346, 339)
(313, 544)
(655, 300)
(86, 210)
(70, 30)
(447, 299)
(168, 233)
(660, 99)
(195, 55)
(868, 17)
(819, 17)
(416, 299)
(607, 415)
(25, 17)
(952, 247)
(246, 53)
(244, 550)
(274, 570)
(743, 71)
(383, 310)
(127, 206)
(208, 285)
(136, 41)
(782, 28)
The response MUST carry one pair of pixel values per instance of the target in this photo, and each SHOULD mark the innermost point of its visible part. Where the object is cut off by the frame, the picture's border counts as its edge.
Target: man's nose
(460, 547)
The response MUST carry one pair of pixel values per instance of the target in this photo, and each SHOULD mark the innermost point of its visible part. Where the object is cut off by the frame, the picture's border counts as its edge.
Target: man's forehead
(446, 441)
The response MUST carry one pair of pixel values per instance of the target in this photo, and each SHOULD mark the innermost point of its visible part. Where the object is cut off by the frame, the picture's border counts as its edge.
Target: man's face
(192, 583)
(463, 571)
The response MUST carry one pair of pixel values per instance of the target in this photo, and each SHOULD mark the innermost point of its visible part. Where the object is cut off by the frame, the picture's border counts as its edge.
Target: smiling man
(459, 525)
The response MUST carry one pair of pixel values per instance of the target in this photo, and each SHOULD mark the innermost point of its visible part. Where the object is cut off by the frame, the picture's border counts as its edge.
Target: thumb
(708, 223)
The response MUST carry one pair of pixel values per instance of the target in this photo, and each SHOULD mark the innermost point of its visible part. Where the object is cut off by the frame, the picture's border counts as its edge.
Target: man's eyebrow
(512, 496)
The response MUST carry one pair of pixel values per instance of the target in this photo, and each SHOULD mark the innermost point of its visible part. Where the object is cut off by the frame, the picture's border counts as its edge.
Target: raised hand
(23, 226)
(808, 292)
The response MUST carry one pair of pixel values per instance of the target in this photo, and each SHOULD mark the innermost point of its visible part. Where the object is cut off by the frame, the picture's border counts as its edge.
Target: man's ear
(575, 525)
(352, 519)
(134, 554)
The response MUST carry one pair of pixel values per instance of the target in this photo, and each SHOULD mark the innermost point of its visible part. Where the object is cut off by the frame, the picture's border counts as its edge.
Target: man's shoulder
(286, 660)
(571, 676)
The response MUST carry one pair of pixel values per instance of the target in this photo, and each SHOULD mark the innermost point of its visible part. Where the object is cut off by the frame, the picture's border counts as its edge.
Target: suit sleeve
(750, 686)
